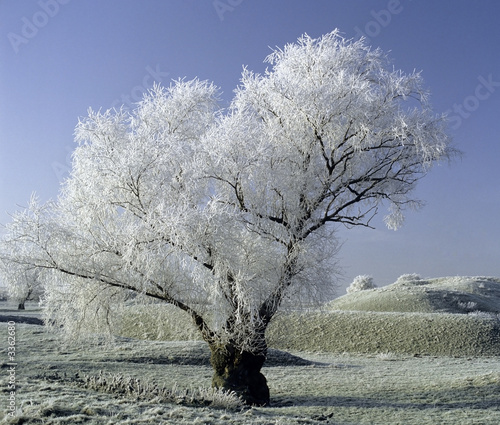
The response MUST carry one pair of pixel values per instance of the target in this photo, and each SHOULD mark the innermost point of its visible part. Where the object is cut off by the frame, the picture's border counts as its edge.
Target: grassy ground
(398, 333)
(326, 389)
(436, 361)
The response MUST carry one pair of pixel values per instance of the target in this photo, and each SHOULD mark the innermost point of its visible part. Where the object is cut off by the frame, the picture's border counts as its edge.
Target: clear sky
(60, 57)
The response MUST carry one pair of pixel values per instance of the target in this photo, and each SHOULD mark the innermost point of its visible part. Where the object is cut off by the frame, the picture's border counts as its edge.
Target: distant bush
(361, 283)
(409, 277)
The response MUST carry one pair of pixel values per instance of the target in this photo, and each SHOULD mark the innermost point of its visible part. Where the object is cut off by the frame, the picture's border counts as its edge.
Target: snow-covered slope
(411, 294)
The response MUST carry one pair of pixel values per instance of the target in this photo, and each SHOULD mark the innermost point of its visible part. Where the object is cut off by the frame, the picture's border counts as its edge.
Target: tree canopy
(227, 213)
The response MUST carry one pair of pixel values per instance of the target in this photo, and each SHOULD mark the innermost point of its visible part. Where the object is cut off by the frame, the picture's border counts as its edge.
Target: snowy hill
(451, 316)
(409, 293)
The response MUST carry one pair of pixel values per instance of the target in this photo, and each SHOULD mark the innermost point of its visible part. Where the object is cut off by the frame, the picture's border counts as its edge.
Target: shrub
(409, 277)
(361, 283)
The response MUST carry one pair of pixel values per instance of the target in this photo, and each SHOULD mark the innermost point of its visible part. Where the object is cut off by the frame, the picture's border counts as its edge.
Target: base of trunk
(240, 372)
(20, 306)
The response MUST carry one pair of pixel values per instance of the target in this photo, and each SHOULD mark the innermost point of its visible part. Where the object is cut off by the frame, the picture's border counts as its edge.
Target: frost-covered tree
(229, 215)
(23, 283)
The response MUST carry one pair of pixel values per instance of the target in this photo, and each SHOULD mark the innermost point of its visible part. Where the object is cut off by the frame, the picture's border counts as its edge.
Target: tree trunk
(21, 306)
(239, 371)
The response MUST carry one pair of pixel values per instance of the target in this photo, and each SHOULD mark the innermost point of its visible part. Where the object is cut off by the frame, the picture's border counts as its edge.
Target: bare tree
(229, 214)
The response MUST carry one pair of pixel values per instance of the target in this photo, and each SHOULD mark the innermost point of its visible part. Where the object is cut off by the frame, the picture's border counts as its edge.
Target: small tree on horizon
(228, 215)
(23, 283)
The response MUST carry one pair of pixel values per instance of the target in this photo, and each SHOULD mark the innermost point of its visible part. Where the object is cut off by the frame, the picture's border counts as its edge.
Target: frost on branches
(229, 215)
(23, 282)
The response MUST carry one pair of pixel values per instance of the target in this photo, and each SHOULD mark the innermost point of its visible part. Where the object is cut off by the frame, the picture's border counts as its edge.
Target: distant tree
(23, 283)
(4, 295)
(30, 289)
(230, 215)
(361, 283)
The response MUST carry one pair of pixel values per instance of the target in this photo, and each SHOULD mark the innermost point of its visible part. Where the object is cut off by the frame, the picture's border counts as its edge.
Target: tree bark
(21, 306)
(239, 371)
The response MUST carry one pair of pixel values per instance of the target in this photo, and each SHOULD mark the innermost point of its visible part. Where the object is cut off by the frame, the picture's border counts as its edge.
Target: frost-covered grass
(418, 367)
(351, 331)
(374, 332)
(158, 322)
(323, 389)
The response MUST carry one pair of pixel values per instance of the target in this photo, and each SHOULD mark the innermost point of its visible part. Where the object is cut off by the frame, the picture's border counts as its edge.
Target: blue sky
(60, 57)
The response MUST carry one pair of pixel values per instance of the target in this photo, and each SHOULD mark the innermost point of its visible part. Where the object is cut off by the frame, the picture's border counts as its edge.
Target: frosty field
(367, 384)
(334, 389)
